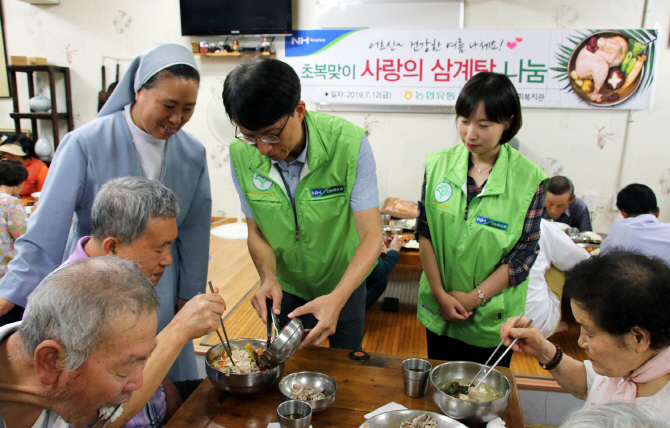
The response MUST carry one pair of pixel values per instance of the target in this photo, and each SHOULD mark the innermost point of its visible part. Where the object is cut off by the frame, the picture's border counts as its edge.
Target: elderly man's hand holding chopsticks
(199, 316)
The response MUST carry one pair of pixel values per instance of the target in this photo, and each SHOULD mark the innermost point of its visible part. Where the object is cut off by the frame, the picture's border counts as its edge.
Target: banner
(549, 68)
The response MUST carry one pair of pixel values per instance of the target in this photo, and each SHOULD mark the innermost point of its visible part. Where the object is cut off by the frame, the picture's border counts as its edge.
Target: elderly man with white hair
(133, 218)
(82, 346)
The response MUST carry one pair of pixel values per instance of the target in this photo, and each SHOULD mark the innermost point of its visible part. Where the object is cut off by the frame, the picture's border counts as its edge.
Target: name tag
(492, 223)
(316, 193)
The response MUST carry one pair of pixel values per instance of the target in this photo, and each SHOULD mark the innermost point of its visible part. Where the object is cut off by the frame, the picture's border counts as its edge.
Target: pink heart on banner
(511, 45)
(519, 39)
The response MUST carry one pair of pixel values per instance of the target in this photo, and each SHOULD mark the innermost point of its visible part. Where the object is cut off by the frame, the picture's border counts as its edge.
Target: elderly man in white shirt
(88, 332)
(545, 284)
(639, 230)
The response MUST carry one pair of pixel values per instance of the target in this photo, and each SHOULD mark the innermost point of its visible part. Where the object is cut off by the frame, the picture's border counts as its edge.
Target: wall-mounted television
(236, 17)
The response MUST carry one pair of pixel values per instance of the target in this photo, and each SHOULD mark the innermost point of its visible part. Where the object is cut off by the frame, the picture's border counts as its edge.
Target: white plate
(397, 417)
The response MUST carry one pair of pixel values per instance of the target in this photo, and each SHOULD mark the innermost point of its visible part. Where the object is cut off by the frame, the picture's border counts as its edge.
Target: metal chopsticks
(228, 350)
(516, 324)
(268, 321)
(501, 357)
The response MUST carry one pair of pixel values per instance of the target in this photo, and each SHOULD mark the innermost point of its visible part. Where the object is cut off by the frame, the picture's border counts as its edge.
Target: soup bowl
(470, 412)
(241, 384)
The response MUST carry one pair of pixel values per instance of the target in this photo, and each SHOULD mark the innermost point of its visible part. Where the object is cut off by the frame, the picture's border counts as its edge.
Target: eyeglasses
(269, 139)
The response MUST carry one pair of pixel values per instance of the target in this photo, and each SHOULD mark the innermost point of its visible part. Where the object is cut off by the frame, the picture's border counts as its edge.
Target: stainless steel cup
(292, 408)
(415, 372)
(386, 219)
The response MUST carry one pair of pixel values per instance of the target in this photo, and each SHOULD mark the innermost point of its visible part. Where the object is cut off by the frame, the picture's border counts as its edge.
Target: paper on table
(496, 423)
(386, 408)
(276, 425)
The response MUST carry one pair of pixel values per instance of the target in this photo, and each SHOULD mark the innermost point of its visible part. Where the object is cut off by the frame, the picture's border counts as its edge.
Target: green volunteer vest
(315, 243)
(470, 244)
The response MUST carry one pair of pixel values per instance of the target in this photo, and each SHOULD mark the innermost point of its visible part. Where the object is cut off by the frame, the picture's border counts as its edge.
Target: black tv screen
(235, 17)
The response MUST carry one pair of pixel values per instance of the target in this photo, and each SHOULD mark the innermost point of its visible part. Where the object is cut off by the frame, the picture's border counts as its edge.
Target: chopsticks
(268, 321)
(228, 350)
(503, 355)
(516, 324)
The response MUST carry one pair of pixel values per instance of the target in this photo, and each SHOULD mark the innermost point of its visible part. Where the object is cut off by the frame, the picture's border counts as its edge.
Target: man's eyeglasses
(269, 139)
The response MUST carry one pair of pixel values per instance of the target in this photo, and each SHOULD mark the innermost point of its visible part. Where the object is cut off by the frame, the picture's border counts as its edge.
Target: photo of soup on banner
(608, 67)
(550, 68)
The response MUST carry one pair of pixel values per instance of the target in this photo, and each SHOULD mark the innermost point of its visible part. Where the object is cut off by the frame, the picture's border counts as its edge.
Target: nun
(137, 133)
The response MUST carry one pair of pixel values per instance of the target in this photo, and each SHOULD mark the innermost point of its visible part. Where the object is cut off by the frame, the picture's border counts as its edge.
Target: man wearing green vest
(308, 187)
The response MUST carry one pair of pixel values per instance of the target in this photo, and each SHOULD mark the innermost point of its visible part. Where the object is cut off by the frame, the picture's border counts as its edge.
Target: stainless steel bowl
(468, 411)
(310, 379)
(284, 345)
(241, 384)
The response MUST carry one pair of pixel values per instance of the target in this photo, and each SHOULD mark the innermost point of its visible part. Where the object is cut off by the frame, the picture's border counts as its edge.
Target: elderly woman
(137, 133)
(21, 148)
(621, 302)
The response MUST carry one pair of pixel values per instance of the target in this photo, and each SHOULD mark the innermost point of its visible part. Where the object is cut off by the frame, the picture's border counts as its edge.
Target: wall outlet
(591, 201)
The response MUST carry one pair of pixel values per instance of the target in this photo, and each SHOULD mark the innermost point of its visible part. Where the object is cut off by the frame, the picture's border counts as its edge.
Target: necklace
(477, 168)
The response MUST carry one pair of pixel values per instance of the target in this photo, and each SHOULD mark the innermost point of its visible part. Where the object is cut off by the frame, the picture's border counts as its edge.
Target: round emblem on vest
(261, 183)
(443, 192)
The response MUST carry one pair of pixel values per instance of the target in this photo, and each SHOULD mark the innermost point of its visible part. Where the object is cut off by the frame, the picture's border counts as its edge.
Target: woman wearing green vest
(478, 226)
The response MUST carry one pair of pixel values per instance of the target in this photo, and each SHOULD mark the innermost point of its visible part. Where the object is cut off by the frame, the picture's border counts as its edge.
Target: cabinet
(54, 116)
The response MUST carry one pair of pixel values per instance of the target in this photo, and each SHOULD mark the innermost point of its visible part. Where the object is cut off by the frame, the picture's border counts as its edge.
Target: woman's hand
(467, 300)
(450, 308)
(531, 341)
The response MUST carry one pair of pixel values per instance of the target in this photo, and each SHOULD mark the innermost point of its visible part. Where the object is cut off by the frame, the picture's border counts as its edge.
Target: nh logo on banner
(299, 40)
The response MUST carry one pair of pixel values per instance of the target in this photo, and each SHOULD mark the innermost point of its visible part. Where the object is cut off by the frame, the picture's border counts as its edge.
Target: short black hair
(501, 101)
(259, 92)
(636, 199)
(560, 185)
(27, 144)
(12, 173)
(621, 290)
(183, 71)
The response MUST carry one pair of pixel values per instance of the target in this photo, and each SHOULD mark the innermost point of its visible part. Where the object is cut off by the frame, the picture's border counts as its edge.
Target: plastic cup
(294, 408)
(415, 372)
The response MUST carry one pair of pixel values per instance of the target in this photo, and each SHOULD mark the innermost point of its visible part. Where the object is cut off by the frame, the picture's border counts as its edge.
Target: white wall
(77, 33)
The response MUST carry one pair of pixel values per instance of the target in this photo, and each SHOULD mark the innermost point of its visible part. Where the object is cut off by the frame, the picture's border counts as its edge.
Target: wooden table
(363, 386)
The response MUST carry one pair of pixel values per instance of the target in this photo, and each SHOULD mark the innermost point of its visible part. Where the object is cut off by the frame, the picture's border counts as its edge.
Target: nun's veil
(159, 57)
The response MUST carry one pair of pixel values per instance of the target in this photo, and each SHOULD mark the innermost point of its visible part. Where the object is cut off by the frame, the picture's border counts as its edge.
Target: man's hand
(5, 306)
(327, 310)
(270, 289)
(199, 316)
(450, 308)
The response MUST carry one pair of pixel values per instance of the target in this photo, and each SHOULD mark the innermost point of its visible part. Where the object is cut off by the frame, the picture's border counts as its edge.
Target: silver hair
(613, 415)
(77, 304)
(123, 207)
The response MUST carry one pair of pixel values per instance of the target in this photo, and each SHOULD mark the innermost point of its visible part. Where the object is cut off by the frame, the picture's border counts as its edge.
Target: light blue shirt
(364, 194)
(643, 234)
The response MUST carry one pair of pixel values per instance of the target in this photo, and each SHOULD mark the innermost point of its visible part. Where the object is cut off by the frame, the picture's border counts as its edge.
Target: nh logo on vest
(327, 191)
(261, 183)
(491, 223)
(443, 192)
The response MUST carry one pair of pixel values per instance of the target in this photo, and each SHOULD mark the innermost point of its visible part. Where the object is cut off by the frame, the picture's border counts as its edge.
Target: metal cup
(294, 407)
(386, 219)
(415, 372)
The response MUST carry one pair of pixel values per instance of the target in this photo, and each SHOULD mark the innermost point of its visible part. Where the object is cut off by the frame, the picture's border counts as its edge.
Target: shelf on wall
(233, 53)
